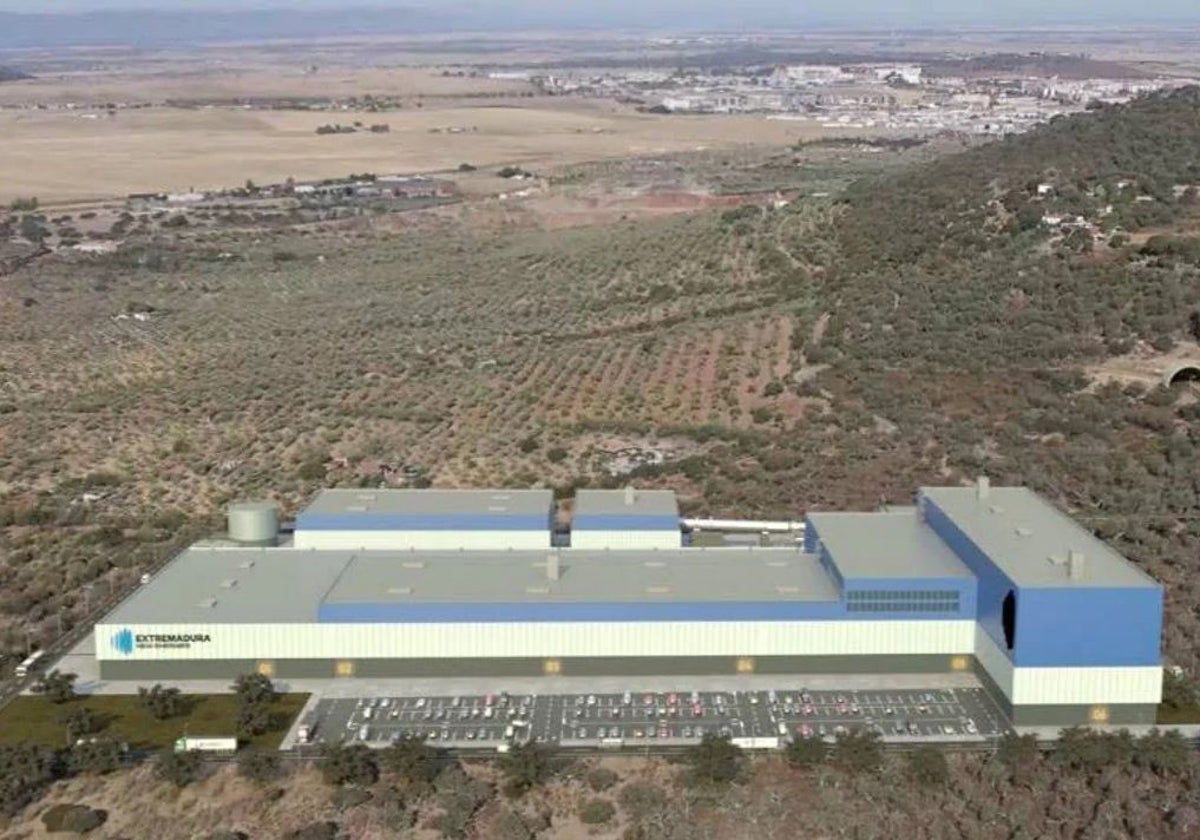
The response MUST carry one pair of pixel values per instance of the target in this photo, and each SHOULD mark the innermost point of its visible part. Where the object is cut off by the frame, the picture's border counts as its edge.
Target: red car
(672, 699)
(697, 710)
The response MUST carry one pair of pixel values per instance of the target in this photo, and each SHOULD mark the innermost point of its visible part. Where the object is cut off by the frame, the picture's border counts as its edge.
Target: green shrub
(601, 779)
(597, 812)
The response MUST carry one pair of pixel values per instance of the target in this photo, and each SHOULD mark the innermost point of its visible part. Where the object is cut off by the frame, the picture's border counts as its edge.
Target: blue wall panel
(402, 522)
(992, 585)
(1083, 626)
(831, 568)
(810, 537)
(1088, 627)
(625, 523)
(610, 611)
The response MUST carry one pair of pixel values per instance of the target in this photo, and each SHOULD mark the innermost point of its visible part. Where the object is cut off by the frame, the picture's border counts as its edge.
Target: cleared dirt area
(1145, 366)
(64, 155)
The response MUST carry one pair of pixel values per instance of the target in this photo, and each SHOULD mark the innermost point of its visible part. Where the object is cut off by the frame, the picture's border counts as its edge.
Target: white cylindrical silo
(253, 523)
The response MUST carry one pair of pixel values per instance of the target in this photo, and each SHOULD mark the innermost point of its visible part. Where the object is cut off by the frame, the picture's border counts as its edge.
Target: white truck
(26, 667)
(220, 744)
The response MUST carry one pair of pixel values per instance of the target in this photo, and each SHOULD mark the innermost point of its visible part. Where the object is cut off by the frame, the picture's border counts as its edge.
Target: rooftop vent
(1076, 566)
(787, 590)
(537, 590)
(246, 564)
(356, 508)
(630, 496)
(366, 497)
(982, 486)
(229, 583)
(413, 564)
(496, 508)
(655, 564)
(553, 569)
(207, 603)
(996, 509)
(778, 564)
(399, 590)
(658, 590)
(1024, 531)
(1057, 560)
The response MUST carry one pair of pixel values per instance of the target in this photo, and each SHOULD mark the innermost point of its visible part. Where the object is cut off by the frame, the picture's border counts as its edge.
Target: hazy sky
(617, 12)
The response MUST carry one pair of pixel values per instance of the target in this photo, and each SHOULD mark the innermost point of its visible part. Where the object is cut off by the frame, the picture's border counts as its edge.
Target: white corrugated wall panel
(626, 539)
(1087, 686)
(565, 639)
(423, 540)
(993, 660)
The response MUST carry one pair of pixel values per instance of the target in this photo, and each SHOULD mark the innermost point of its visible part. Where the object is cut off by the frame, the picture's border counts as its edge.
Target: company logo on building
(126, 641)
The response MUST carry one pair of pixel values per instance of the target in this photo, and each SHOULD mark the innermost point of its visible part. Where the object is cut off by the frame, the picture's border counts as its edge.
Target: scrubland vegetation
(1091, 786)
(922, 326)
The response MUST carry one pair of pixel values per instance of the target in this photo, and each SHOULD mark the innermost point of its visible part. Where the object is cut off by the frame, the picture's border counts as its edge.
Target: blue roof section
(421, 522)
(629, 522)
(617, 611)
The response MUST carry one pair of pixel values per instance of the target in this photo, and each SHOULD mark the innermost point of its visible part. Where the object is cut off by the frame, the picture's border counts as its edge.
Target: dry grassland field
(186, 76)
(63, 155)
(66, 154)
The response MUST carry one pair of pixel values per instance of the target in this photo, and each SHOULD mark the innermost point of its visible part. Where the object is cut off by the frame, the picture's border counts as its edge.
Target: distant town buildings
(890, 96)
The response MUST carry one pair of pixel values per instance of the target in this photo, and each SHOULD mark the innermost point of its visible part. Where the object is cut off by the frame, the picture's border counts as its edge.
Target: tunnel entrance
(1008, 619)
(1184, 375)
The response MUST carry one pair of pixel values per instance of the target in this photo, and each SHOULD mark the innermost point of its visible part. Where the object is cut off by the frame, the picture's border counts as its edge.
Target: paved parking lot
(637, 718)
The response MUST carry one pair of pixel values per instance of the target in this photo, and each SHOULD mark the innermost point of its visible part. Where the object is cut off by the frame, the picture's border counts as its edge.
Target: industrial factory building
(394, 583)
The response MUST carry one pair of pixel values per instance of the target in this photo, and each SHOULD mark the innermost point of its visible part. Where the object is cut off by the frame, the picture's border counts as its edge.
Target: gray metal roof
(268, 585)
(614, 503)
(895, 544)
(428, 502)
(288, 585)
(1020, 531)
(696, 574)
